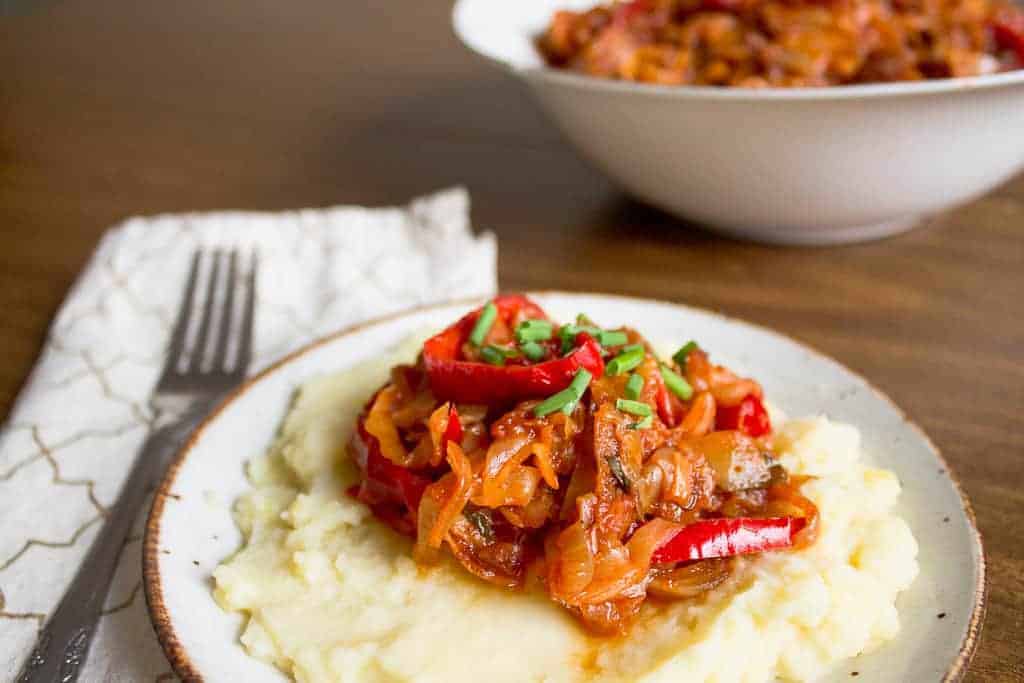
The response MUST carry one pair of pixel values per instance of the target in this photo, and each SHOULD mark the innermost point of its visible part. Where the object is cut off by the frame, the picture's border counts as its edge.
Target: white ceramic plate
(190, 529)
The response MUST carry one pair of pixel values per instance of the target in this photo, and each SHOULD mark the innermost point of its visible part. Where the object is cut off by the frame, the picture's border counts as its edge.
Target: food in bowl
(496, 517)
(787, 43)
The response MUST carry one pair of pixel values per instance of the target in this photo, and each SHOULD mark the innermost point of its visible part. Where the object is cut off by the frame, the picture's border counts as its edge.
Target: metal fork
(209, 353)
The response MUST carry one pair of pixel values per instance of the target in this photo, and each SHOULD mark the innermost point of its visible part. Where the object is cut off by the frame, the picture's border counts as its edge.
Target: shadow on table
(625, 218)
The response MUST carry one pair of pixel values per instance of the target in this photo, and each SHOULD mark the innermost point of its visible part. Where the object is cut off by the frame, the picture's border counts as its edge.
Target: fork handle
(63, 643)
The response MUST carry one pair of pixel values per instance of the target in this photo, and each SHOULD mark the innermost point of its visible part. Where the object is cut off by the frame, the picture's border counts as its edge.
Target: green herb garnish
(555, 402)
(567, 333)
(492, 355)
(634, 385)
(533, 331)
(644, 423)
(684, 351)
(612, 338)
(532, 350)
(630, 357)
(569, 395)
(675, 383)
(488, 314)
(638, 408)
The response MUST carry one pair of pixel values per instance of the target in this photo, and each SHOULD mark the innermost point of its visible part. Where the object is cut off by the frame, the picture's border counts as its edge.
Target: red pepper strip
(728, 536)
(453, 379)
(749, 417)
(384, 481)
(667, 403)
(452, 431)
(1008, 32)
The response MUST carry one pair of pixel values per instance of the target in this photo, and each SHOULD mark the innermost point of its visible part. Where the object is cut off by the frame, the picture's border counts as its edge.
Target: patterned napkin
(83, 413)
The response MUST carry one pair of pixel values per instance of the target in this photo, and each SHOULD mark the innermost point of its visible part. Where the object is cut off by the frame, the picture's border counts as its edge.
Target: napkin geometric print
(74, 431)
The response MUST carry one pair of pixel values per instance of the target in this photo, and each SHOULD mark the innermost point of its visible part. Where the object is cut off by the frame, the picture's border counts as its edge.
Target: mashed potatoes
(333, 595)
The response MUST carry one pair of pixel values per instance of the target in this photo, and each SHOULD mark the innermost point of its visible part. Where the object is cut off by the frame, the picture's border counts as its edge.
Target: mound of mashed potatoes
(331, 594)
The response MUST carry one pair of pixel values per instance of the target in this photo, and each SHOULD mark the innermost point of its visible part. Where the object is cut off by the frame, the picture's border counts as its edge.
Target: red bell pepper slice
(1008, 31)
(749, 417)
(384, 481)
(668, 405)
(462, 381)
(728, 536)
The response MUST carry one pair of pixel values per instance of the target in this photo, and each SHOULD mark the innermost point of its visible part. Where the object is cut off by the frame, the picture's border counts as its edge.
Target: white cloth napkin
(75, 428)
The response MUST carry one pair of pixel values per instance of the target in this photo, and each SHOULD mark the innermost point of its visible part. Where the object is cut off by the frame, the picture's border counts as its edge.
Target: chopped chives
(569, 395)
(633, 407)
(645, 423)
(612, 337)
(676, 384)
(583, 320)
(483, 324)
(634, 385)
(580, 382)
(568, 334)
(492, 355)
(554, 402)
(532, 350)
(533, 331)
(681, 355)
(630, 357)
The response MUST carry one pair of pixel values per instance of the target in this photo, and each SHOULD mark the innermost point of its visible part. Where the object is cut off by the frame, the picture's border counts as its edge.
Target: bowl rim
(578, 81)
(153, 588)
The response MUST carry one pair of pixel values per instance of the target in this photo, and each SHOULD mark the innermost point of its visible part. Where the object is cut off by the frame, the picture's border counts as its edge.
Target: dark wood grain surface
(111, 108)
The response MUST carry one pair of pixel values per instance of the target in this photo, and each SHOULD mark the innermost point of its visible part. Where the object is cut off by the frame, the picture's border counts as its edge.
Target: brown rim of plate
(186, 670)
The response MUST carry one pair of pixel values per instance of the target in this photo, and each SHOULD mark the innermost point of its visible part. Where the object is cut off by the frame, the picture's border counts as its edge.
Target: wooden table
(110, 108)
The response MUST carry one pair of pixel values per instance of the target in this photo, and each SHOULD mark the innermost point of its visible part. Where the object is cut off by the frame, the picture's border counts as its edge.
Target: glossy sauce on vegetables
(608, 488)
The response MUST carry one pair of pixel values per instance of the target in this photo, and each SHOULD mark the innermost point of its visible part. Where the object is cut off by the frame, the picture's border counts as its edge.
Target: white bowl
(799, 166)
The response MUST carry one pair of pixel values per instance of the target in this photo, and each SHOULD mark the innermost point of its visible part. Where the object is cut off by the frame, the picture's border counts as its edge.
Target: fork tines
(212, 339)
